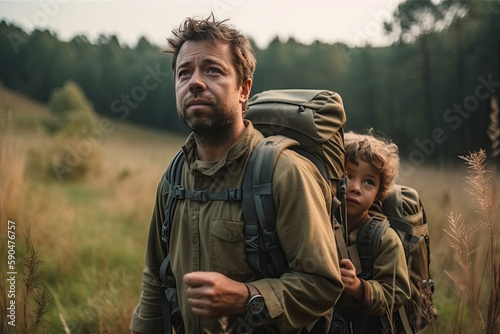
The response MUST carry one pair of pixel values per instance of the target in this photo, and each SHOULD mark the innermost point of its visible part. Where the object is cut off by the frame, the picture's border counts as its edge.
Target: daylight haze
(354, 22)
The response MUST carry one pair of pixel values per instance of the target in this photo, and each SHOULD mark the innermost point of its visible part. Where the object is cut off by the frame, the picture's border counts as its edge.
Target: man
(213, 68)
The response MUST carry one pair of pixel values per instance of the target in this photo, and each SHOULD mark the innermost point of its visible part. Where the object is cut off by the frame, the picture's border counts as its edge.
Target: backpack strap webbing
(166, 310)
(172, 180)
(207, 196)
(339, 239)
(258, 208)
(170, 310)
(368, 243)
(339, 219)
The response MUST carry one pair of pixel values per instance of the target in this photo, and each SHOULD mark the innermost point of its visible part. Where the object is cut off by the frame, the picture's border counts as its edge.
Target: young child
(371, 167)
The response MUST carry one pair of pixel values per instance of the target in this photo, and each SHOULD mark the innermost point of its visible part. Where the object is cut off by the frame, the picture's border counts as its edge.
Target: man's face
(209, 97)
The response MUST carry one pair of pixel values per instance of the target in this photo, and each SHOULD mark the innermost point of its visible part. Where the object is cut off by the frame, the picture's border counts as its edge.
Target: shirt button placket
(198, 182)
(194, 222)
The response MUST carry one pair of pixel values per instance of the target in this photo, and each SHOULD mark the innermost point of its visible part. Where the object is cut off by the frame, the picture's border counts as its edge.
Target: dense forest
(431, 91)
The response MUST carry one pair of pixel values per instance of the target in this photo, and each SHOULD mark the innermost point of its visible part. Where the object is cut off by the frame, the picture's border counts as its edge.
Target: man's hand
(211, 294)
(352, 284)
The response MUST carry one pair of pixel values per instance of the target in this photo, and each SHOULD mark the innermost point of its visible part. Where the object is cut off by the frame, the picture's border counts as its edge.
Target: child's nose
(353, 186)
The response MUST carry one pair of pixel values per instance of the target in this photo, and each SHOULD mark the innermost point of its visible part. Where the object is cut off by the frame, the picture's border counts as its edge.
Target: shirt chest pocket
(227, 248)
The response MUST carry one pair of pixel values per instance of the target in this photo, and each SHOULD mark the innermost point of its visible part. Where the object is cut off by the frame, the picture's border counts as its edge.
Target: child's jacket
(389, 288)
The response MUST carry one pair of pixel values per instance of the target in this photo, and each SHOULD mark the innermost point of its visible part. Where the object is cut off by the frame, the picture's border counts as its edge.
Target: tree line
(431, 91)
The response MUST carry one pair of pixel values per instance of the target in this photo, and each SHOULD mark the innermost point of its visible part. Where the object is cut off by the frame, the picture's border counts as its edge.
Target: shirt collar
(240, 148)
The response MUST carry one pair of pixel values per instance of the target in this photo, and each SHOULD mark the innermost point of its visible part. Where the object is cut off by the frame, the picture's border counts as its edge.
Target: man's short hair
(209, 29)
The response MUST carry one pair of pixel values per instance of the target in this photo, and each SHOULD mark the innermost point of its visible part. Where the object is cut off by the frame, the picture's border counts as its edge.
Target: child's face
(363, 184)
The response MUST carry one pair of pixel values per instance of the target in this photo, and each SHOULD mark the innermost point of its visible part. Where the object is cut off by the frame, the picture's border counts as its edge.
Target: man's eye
(183, 73)
(212, 70)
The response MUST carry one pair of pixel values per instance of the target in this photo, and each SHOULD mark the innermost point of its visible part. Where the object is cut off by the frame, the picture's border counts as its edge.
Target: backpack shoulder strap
(340, 240)
(258, 208)
(368, 243)
(171, 181)
(170, 310)
(339, 219)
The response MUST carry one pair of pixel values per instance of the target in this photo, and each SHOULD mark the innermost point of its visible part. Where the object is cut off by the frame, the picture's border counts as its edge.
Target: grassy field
(85, 240)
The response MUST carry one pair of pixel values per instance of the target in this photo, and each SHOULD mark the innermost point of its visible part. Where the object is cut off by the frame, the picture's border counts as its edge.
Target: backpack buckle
(270, 239)
(233, 195)
(413, 239)
(196, 195)
(178, 192)
(164, 231)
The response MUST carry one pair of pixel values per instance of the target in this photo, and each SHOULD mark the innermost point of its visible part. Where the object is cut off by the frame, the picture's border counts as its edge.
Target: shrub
(70, 156)
(74, 113)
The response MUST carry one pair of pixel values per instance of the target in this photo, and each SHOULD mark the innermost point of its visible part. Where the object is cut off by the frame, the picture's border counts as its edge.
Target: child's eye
(370, 182)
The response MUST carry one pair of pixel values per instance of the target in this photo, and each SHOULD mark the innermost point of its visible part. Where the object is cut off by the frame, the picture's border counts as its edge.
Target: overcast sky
(353, 22)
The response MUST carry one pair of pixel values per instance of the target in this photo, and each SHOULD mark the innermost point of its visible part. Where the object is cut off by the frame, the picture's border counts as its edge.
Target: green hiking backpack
(315, 121)
(406, 215)
(311, 122)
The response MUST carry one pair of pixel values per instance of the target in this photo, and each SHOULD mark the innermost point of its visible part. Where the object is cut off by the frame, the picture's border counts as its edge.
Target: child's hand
(352, 284)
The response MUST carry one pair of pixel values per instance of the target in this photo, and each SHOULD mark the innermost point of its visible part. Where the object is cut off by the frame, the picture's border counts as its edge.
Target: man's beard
(211, 130)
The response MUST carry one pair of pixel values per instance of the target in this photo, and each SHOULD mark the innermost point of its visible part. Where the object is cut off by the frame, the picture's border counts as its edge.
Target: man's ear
(245, 89)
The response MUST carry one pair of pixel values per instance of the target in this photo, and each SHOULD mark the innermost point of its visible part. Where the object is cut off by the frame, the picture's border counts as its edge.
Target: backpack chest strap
(234, 194)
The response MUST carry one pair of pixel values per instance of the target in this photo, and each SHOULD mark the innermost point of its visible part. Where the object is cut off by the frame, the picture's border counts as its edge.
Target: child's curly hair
(380, 153)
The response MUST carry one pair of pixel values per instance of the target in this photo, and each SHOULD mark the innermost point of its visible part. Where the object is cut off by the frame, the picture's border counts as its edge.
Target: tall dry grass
(32, 299)
(11, 173)
(476, 243)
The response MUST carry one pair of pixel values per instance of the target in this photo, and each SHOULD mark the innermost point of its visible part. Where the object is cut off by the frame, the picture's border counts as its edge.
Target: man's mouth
(197, 103)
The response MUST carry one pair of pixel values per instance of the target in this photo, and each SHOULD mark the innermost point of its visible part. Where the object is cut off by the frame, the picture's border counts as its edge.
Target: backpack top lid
(315, 118)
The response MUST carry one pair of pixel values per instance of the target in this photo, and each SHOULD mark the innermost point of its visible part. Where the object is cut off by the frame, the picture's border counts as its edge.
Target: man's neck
(212, 148)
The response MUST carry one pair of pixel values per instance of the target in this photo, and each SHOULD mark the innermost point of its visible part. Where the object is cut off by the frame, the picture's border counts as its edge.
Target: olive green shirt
(208, 236)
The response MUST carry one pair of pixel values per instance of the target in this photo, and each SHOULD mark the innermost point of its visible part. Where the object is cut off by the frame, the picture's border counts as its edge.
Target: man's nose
(196, 82)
